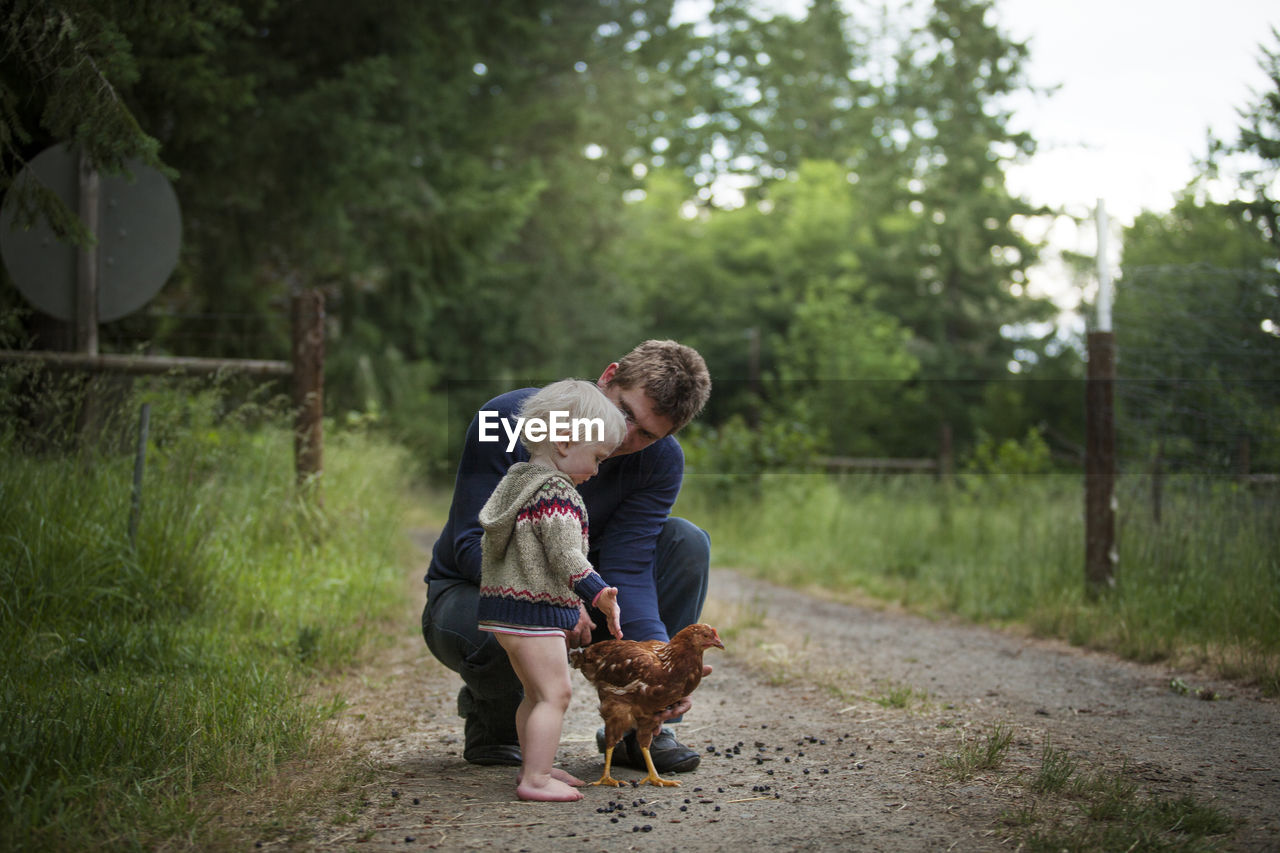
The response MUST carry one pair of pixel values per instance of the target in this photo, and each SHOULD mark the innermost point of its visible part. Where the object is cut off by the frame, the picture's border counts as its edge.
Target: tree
(61, 68)
(753, 97)
(405, 156)
(453, 175)
(787, 274)
(1195, 314)
(922, 140)
(1198, 306)
(1259, 138)
(955, 267)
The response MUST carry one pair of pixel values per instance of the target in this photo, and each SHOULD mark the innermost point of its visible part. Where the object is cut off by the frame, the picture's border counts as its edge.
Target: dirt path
(824, 726)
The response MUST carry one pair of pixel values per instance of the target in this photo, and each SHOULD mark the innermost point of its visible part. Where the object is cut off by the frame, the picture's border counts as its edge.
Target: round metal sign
(139, 235)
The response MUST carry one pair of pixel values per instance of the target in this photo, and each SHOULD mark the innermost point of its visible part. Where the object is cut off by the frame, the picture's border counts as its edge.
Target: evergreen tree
(1259, 138)
(955, 268)
(62, 67)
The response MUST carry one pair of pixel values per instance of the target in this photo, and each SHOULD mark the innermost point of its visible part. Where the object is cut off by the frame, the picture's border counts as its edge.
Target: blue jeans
(491, 691)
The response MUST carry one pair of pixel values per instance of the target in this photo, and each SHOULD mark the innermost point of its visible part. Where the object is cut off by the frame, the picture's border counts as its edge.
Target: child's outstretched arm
(607, 603)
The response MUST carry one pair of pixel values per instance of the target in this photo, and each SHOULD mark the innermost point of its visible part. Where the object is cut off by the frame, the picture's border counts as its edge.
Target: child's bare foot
(552, 790)
(556, 773)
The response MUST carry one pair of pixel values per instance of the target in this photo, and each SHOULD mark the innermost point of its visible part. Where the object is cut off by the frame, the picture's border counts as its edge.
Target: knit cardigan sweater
(534, 551)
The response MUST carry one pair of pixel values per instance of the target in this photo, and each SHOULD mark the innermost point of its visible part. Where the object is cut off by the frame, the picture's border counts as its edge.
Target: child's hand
(607, 603)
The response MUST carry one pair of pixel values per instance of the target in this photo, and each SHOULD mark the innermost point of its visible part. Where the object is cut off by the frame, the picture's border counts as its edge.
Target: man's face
(644, 426)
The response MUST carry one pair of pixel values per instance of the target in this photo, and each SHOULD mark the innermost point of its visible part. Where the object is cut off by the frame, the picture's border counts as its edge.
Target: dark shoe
(488, 755)
(668, 754)
(482, 749)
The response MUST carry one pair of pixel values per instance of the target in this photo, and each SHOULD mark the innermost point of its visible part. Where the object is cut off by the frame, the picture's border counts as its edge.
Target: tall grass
(137, 675)
(1202, 585)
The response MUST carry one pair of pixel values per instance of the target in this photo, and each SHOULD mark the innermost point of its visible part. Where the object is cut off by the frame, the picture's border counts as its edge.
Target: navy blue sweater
(627, 504)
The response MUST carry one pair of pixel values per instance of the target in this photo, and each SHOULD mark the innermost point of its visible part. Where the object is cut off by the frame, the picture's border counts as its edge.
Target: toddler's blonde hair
(578, 399)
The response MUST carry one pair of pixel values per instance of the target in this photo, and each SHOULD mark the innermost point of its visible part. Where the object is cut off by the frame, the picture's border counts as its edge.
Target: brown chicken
(638, 681)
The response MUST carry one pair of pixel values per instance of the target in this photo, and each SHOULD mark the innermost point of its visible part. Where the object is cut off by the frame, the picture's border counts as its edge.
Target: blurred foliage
(736, 456)
(1197, 306)
(998, 468)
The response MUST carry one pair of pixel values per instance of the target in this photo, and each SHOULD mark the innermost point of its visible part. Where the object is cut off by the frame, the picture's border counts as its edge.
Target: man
(659, 564)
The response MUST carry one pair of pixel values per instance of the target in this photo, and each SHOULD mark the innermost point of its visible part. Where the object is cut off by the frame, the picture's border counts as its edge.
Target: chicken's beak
(715, 639)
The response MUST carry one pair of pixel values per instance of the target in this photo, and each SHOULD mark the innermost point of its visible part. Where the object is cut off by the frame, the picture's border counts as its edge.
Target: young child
(534, 560)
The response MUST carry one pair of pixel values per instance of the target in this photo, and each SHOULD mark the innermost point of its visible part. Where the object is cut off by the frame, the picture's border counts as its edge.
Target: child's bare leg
(540, 663)
(522, 714)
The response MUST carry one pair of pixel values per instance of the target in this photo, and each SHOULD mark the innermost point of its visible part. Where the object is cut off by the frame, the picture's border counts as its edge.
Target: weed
(899, 696)
(1185, 815)
(975, 756)
(1108, 796)
(1104, 810)
(1056, 770)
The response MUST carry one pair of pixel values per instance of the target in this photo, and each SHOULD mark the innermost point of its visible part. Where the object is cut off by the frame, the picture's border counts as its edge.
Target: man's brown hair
(673, 376)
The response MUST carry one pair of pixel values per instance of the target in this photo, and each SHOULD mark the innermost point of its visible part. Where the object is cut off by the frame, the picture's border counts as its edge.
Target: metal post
(135, 511)
(308, 388)
(87, 260)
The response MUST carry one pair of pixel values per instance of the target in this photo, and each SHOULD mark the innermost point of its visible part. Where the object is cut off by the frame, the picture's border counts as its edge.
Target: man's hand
(682, 707)
(676, 710)
(580, 635)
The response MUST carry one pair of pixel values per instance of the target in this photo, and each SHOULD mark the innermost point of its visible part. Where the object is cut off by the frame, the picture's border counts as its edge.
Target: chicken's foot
(606, 779)
(653, 778)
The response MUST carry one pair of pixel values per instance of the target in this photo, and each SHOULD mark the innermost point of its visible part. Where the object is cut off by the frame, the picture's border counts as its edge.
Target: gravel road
(824, 726)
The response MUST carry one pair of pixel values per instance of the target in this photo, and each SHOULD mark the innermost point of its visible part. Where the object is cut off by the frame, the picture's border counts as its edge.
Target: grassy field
(141, 676)
(1200, 587)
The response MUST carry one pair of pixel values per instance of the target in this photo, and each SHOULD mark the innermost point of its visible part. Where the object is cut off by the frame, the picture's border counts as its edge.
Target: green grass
(895, 695)
(1104, 810)
(139, 678)
(1057, 768)
(974, 756)
(1200, 586)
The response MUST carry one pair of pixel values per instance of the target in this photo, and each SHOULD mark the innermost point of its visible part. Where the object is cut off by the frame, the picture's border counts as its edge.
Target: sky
(1139, 83)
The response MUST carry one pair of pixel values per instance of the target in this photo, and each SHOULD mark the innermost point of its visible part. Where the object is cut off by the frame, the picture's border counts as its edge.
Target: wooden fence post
(308, 389)
(946, 474)
(1100, 464)
(1100, 554)
(1242, 459)
(946, 456)
(86, 318)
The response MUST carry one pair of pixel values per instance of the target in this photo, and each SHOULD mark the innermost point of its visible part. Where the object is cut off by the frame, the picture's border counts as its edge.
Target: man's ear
(607, 376)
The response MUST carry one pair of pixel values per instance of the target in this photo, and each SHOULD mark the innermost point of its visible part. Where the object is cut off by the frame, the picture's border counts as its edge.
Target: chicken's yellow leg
(653, 778)
(606, 779)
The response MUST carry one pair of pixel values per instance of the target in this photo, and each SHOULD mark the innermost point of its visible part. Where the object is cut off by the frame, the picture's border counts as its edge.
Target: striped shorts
(522, 630)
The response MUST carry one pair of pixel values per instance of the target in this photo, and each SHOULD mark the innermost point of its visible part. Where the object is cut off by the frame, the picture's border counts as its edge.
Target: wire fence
(1198, 371)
